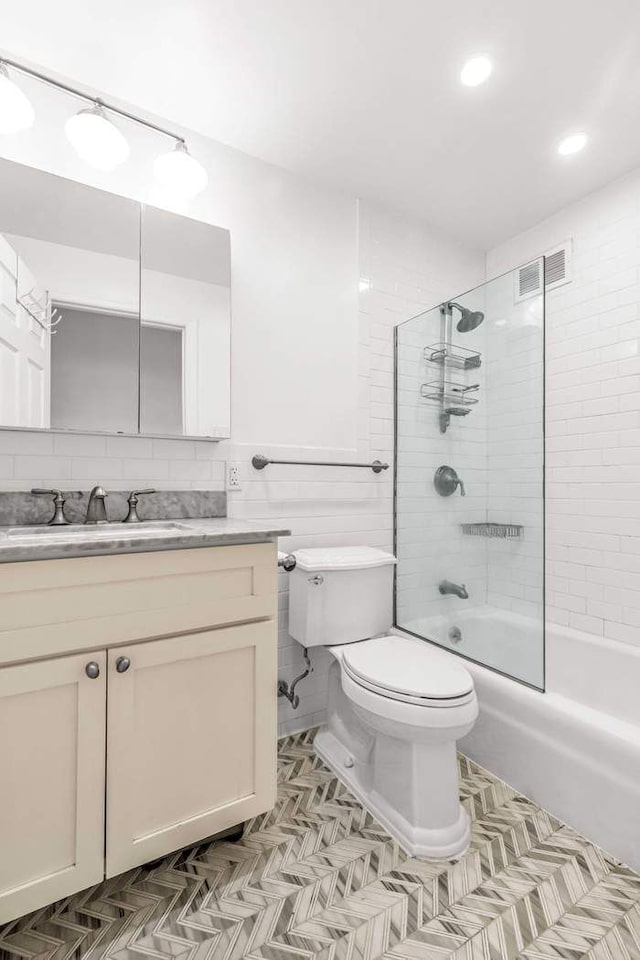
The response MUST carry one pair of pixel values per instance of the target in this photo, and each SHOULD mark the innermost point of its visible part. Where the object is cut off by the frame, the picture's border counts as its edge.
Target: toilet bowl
(396, 705)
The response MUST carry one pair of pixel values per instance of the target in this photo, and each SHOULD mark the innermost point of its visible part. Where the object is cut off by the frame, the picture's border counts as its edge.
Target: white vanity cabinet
(52, 735)
(137, 711)
(190, 740)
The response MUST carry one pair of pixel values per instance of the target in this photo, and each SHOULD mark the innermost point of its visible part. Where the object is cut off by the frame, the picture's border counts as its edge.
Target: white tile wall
(79, 460)
(431, 547)
(497, 451)
(593, 411)
(514, 451)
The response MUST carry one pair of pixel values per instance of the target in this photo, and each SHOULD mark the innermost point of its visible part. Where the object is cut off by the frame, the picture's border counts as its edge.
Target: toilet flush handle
(317, 580)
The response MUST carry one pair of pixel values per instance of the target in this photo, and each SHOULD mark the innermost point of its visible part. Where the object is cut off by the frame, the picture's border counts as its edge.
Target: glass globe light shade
(96, 139)
(179, 173)
(16, 112)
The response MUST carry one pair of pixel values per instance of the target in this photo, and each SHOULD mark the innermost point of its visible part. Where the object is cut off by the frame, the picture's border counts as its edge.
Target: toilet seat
(401, 669)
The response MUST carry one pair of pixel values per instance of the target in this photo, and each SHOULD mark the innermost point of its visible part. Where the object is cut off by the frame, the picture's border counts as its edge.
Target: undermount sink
(102, 531)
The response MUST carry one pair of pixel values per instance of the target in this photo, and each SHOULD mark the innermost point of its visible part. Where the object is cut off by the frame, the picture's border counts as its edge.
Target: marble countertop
(26, 543)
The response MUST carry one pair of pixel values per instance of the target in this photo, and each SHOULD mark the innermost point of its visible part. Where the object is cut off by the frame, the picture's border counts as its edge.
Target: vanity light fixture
(16, 112)
(96, 139)
(476, 71)
(94, 135)
(572, 144)
(179, 173)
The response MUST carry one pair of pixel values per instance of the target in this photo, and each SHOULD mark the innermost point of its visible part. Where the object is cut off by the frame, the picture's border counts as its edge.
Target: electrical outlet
(233, 477)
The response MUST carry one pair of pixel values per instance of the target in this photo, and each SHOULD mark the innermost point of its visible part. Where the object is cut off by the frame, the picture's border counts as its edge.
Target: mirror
(114, 317)
(185, 305)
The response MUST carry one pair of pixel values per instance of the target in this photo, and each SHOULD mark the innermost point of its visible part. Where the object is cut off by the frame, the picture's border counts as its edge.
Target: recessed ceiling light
(476, 71)
(572, 144)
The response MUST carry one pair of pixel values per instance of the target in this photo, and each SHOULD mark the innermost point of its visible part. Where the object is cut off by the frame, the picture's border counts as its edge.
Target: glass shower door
(469, 475)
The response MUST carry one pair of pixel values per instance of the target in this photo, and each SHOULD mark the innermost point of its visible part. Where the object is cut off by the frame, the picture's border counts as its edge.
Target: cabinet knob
(92, 670)
(123, 664)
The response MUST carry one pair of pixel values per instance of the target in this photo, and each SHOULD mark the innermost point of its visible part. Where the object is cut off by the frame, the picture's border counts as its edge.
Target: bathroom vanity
(137, 698)
(137, 659)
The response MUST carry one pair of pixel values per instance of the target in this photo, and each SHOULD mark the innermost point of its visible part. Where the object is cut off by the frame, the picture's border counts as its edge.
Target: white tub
(575, 749)
(505, 641)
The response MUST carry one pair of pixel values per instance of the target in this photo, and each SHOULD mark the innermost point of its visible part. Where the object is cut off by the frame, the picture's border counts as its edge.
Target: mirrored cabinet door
(69, 304)
(185, 307)
(114, 317)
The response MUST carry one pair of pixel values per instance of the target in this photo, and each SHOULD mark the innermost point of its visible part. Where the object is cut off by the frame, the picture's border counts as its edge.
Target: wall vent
(528, 278)
(557, 265)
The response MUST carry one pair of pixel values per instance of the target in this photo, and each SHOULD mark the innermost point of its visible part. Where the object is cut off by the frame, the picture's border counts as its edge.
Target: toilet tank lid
(342, 558)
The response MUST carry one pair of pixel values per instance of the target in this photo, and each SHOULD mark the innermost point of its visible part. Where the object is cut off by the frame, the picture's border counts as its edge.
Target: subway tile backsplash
(80, 460)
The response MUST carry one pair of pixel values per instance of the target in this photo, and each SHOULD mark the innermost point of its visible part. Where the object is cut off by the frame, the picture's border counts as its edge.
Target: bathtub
(574, 750)
(505, 641)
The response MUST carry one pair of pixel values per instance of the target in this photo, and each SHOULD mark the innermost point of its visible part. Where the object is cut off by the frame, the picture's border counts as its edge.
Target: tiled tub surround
(317, 877)
(593, 410)
(497, 451)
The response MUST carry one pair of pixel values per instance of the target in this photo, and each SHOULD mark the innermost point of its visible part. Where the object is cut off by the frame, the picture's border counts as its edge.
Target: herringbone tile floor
(317, 877)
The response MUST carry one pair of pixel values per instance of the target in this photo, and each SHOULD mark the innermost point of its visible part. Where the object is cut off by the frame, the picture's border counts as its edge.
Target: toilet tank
(340, 594)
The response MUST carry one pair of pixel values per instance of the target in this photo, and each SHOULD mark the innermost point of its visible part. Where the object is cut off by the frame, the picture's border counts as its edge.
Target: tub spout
(457, 589)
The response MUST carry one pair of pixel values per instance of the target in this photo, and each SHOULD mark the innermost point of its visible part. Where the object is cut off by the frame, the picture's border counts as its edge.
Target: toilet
(396, 705)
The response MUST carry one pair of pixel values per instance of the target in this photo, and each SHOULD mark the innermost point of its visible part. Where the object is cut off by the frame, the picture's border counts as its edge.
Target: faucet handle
(58, 519)
(446, 481)
(132, 500)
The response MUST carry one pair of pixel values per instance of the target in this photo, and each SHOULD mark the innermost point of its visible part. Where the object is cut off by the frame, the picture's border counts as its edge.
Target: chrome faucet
(96, 509)
(457, 589)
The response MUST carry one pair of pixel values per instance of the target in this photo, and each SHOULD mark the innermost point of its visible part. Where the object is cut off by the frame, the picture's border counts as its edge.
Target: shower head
(469, 319)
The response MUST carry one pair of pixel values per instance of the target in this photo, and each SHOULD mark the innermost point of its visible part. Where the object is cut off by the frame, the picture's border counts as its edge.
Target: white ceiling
(364, 94)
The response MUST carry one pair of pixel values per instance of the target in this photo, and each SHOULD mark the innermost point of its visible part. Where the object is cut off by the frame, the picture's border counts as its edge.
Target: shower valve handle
(446, 481)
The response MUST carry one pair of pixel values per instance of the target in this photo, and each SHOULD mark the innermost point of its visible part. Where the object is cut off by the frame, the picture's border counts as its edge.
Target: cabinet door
(52, 759)
(191, 739)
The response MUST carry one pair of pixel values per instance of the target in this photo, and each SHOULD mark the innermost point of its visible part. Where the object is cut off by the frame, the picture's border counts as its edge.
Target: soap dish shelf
(449, 391)
(446, 353)
(495, 531)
